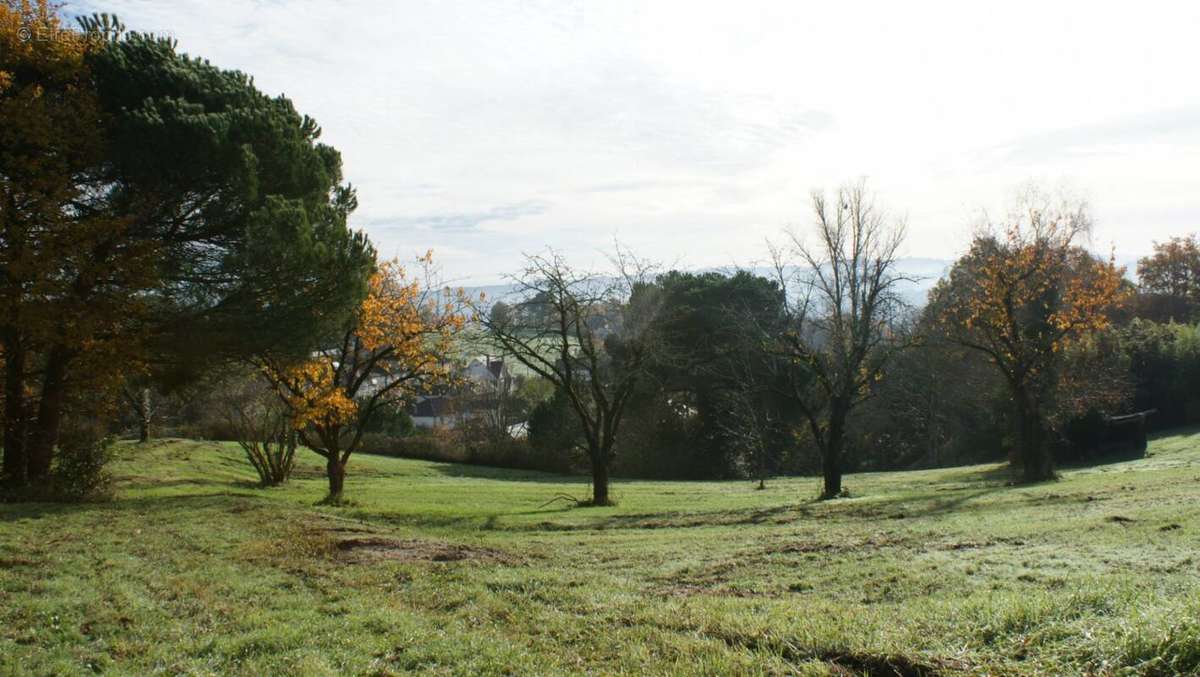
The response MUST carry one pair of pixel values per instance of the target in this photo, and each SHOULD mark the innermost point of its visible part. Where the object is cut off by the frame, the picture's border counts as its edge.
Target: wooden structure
(1126, 435)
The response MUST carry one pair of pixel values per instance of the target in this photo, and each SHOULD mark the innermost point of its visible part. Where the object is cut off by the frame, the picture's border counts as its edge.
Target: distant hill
(926, 271)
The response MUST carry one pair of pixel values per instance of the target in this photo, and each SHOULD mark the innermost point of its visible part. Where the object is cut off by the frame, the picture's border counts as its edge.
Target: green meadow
(449, 569)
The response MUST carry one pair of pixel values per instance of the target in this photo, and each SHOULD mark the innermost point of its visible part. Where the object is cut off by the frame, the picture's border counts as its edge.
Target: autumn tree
(47, 139)
(590, 335)
(154, 209)
(1024, 295)
(843, 300)
(396, 346)
(1169, 280)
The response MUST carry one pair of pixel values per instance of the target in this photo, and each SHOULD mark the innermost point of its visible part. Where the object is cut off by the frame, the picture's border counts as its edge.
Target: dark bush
(79, 472)
(392, 421)
(463, 446)
(1164, 365)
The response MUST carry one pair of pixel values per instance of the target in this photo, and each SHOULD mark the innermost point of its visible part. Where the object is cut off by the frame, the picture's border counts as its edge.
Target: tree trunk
(600, 478)
(45, 433)
(762, 465)
(144, 416)
(1036, 465)
(337, 477)
(831, 459)
(16, 465)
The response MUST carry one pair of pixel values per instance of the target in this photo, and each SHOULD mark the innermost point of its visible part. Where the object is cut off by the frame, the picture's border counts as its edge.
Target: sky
(693, 132)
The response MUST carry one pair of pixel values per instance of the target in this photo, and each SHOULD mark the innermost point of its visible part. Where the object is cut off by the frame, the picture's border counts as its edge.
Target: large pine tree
(153, 208)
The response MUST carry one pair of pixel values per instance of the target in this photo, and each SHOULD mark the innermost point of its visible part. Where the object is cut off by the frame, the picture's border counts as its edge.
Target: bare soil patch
(985, 543)
(373, 548)
(876, 542)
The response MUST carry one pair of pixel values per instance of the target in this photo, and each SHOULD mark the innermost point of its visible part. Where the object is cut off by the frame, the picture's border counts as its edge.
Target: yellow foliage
(404, 317)
(313, 397)
(399, 343)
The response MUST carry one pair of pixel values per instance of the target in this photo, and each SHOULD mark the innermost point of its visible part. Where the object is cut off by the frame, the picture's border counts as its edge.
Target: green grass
(464, 571)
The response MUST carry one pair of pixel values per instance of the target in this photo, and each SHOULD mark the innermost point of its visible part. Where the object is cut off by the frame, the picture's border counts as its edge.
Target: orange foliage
(1030, 296)
(397, 347)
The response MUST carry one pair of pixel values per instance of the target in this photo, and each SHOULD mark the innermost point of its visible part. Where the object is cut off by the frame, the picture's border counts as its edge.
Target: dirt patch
(872, 665)
(14, 562)
(873, 543)
(974, 545)
(373, 548)
(346, 530)
(694, 589)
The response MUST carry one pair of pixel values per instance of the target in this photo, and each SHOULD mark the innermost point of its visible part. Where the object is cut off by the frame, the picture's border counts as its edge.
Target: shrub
(445, 445)
(270, 446)
(432, 445)
(79, 470)
(263, 428)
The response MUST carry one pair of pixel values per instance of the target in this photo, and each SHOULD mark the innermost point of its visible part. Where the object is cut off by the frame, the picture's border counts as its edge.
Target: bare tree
(842, 305)
(590, 335)
(750, 415)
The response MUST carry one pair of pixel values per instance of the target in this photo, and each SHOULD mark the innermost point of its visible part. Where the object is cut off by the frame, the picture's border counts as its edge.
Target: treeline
(175, 252)
(1023, 351)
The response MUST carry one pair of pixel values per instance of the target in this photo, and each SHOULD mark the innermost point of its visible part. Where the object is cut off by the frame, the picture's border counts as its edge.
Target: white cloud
(693, 130)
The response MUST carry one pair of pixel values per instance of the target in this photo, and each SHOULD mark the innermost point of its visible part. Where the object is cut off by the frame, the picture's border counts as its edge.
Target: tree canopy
(1169, 279)
(156, 209)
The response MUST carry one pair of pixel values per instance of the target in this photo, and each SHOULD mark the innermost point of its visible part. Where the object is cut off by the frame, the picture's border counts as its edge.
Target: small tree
(751, 418)
(396, 346)
(1024, 297)
(842, 305)
(591, 336)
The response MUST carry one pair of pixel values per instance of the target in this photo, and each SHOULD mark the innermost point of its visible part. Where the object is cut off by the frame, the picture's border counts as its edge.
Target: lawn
(465, 570)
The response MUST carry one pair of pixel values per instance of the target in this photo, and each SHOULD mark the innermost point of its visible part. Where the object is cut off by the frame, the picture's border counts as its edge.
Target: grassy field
(461, 570)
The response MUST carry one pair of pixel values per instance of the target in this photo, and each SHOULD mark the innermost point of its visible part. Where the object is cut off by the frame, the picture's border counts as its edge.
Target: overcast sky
(693, 131)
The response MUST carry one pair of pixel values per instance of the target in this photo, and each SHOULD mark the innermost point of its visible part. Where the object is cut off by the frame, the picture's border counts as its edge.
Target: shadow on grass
(1185, 431)
(507, 474)
(217, 501)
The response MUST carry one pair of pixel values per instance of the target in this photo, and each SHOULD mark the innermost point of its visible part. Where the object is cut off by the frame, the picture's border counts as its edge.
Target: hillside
(465, 570)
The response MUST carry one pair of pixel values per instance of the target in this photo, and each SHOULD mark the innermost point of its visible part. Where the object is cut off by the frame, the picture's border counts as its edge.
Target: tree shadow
(214, 500)
(510, 474)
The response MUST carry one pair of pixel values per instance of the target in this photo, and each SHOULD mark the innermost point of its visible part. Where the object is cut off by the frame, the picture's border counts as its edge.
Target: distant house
(487, 372)
(485, 380)
(435, 411)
